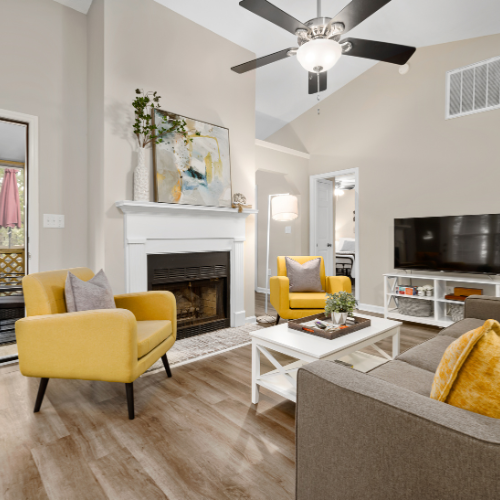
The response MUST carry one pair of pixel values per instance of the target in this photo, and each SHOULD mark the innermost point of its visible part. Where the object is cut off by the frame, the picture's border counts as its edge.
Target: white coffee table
(307, 348)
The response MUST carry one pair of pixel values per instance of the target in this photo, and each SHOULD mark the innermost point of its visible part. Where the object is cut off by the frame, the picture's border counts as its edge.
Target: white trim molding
(162, 228)
(282, 149)
(371, 308)
(33, 250)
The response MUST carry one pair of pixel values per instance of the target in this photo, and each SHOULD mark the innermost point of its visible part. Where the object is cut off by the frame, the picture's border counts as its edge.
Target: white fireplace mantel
(152, 228)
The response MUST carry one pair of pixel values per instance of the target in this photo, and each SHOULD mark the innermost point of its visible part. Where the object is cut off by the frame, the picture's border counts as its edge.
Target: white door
(324, 224)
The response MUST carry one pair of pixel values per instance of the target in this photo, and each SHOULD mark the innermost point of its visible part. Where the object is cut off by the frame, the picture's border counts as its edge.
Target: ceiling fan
(320, 45)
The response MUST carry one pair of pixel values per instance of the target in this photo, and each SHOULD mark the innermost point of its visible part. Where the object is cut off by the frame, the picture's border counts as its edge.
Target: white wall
(145, 46)
(44, 70)
(412, 162)
(279, 172)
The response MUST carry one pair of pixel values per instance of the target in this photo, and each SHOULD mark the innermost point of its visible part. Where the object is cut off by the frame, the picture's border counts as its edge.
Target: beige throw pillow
(304, 277)
(88, 295)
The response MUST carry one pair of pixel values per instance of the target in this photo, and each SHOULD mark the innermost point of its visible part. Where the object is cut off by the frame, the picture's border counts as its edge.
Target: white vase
(339, 318)
(141, 177)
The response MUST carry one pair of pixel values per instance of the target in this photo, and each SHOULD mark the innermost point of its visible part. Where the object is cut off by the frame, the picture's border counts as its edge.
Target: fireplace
(200, 283)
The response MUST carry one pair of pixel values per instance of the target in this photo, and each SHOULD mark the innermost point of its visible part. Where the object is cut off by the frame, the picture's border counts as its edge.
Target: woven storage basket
(415, 307)
(457, 312)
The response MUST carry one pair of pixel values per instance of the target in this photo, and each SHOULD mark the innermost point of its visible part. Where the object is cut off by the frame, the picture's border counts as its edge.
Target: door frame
(32, 222)
(312, 217)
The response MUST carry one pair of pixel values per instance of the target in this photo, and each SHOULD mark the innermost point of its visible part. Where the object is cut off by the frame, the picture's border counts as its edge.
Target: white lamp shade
(285, 208)
(321, 53)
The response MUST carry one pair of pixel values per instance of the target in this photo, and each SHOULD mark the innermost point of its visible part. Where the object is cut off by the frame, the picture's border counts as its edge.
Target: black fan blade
(313, 82)
(380, 51)
(270, 12)
(261, 61)
(356, 12)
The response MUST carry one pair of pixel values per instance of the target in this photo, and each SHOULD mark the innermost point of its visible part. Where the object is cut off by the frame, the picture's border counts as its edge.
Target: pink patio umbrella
(10, 209)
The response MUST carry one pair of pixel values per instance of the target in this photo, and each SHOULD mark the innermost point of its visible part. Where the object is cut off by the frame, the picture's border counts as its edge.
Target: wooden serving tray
(297, 324)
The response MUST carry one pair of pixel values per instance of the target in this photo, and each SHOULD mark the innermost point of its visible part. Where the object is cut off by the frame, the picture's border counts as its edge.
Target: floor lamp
(282, 207)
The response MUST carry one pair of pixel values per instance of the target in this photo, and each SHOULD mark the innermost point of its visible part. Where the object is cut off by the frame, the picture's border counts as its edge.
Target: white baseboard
(250, 320)
(259, 289)
(371, 308)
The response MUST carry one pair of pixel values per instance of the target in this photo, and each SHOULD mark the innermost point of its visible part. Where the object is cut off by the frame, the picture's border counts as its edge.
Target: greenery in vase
(340, 302)
(147, 132)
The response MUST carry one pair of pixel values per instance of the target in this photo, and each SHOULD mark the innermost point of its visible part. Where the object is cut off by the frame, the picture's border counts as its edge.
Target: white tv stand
(441, 318)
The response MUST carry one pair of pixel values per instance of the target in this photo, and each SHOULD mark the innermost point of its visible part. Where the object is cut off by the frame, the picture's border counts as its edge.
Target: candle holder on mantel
(239, 202)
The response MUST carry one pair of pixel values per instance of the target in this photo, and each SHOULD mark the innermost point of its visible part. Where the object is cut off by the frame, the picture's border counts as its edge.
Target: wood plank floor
(195, 436)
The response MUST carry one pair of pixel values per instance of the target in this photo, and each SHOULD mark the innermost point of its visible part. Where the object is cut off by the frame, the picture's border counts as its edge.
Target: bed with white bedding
(345, 254)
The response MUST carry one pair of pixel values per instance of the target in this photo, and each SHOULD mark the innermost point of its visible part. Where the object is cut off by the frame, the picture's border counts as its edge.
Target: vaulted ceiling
(282, 87)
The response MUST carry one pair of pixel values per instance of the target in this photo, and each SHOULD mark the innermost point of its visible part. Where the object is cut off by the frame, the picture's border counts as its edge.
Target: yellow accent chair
(110, 345)
(298, 305)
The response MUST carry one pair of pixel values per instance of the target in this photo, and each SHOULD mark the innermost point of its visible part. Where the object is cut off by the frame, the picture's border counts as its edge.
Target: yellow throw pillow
(468, 375)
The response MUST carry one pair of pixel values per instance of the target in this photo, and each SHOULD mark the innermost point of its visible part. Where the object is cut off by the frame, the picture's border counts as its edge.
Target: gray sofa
(380, 436)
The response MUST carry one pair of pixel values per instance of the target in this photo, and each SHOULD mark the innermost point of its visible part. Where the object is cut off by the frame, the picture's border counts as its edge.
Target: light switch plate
(288, 229)
(53, 221)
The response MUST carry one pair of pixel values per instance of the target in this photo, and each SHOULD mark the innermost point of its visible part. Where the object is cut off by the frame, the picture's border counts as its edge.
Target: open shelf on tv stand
(441, 318)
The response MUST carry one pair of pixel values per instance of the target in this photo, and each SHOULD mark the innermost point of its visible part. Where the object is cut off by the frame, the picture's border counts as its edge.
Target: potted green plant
(340, 305)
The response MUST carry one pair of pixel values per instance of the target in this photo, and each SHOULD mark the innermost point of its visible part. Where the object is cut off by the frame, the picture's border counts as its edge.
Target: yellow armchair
(111, 345)
(298, 305)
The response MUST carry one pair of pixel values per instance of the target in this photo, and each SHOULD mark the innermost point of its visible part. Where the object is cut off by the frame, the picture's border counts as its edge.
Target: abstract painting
(192, 168)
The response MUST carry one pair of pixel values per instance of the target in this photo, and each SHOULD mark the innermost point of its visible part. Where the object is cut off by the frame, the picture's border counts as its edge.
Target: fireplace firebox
(200, 283)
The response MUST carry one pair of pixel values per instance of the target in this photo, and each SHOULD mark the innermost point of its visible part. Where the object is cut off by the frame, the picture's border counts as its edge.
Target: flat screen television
(462, 243)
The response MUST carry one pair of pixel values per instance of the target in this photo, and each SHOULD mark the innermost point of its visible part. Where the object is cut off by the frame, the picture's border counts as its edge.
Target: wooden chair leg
(277, 319)
(130, 400)
(166, 365)
(41, 394)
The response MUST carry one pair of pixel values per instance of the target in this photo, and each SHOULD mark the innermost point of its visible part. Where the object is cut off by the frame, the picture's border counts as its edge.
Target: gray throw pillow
(304, 277)
(88, 295)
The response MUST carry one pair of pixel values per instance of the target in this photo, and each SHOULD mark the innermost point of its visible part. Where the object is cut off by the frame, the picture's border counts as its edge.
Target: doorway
(330, 230)
(18, 219)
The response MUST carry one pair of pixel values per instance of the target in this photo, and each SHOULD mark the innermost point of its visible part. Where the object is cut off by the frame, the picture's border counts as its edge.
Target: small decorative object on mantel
(339, 306)
(148, 133)
(239, 202)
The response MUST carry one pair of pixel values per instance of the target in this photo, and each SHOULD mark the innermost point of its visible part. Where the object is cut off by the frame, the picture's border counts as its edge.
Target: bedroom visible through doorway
(334, 217)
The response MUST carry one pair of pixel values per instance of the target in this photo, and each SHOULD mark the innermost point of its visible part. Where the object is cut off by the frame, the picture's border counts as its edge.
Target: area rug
(198, 347)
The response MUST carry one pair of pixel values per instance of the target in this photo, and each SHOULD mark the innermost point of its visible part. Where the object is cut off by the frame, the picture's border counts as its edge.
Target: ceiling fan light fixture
(319, 55)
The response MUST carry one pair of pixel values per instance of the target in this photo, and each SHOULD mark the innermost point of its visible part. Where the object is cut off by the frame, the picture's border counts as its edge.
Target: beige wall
(145, 46)
(344, 208)
(43, 62)
(279, 172)
(412, 162)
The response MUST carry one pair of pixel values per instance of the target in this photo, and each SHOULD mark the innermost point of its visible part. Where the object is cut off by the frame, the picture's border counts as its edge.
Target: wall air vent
(473, 89)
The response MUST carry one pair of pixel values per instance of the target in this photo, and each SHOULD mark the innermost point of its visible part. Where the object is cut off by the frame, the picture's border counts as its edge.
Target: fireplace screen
(197, 301)
(200, 283)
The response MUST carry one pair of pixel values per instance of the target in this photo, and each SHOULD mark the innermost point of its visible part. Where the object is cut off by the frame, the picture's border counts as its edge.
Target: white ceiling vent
(473, 89)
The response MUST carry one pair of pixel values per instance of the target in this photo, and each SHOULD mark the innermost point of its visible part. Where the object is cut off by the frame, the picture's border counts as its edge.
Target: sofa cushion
(150, 334)
(404, 375)
(469, 373)
(460, 327)
(307, 300)
(428, 354)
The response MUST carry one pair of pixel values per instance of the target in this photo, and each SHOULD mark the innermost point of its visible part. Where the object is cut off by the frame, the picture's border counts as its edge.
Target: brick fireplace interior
(200, 283)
